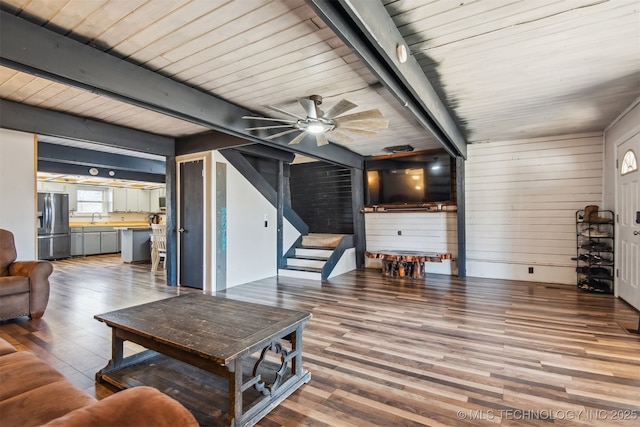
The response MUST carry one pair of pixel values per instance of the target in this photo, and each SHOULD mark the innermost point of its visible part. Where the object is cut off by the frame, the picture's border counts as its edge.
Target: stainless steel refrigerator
(54, 238)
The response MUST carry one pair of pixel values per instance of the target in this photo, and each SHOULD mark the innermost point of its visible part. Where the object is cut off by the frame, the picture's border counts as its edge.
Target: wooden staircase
(316, 256)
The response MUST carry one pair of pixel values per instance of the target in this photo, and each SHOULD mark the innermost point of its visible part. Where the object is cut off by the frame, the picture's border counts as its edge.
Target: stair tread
(300, 268)
(309, 257)
(322, 248)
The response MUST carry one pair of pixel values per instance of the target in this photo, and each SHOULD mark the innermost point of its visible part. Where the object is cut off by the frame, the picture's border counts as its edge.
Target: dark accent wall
(321, 195)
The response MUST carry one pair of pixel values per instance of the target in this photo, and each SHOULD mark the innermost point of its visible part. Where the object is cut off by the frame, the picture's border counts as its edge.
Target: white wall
(521, 199)
(251, 247)
(420, 231)
(18, 190)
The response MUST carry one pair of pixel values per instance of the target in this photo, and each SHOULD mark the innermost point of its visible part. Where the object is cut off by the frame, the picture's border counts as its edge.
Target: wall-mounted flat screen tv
(415, 179)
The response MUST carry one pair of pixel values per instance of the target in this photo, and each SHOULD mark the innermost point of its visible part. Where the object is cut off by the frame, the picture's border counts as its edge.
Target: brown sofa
(34, 394)
(24, 285)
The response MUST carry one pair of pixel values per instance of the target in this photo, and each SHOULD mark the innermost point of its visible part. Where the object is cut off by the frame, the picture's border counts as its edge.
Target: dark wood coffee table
(255, 351)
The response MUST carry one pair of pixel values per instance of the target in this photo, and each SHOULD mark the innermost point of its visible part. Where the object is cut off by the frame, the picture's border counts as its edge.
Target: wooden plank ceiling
(506, 69)
(525, 69)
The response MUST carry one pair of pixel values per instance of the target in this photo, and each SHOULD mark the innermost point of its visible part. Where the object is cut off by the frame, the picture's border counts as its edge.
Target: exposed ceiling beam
(269, 152)
(37, 50)
(68, 169)
(212, 140)
(99, 159)
(30, 119)
(215, 140)
(366, 27)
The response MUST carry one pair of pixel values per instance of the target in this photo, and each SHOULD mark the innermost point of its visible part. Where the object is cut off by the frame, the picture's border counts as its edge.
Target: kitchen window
(90, 200)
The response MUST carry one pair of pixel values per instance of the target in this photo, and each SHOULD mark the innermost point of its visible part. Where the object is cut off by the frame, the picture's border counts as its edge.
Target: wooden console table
(406, 263)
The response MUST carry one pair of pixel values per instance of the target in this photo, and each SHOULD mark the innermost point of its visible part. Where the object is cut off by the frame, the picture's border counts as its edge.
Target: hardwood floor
(391, 352)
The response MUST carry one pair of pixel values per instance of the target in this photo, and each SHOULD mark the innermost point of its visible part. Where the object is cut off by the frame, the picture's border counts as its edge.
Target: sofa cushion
(23, 371)
(133, 407)
(32, 393)
(42, 404)
(8, 252)
(11, 285)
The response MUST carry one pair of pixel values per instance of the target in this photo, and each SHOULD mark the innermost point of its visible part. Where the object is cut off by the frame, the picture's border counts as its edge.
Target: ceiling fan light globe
(316, 128)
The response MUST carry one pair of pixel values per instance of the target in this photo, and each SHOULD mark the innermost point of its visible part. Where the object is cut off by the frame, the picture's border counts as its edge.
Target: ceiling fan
(342, 129)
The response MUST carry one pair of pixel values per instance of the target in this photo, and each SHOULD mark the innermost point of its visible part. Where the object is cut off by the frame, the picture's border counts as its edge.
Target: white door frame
(620, 262)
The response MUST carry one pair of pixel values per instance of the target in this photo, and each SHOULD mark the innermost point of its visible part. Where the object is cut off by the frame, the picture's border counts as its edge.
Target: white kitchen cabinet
(73, 196)
(94, 240)
(130, 200)
(108, 242)
(154, 200)
(91, 242)
(77, 244)
(53, 187)
(119, 199)
(133, 200)
(144, 203)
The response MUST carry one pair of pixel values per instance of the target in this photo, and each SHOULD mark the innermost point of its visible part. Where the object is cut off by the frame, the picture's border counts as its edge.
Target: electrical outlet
(530, 270)
(399, 233)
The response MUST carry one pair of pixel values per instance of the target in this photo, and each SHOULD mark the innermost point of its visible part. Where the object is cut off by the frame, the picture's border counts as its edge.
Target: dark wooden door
(191, 224)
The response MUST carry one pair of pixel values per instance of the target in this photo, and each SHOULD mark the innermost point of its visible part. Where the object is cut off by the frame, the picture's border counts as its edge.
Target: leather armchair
(24, 285)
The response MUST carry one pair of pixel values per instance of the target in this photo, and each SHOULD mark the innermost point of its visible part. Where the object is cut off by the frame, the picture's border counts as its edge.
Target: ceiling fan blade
(298, 138)
(268, 118)
(340, 137)
(309, 106)
(269, 127)
(341, 107)
(321, 139)
(362, 132)
(362, 115)
(286, 132)
(363, 124)
(286, 113)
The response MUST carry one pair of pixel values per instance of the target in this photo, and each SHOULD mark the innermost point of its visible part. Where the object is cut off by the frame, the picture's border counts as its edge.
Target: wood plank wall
(419, 231)
(521, 201)
(321, 195)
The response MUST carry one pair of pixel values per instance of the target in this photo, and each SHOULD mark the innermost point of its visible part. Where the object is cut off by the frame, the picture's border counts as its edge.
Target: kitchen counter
(93, 240)
(134, 227)
(135, 244)
(109, 224)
